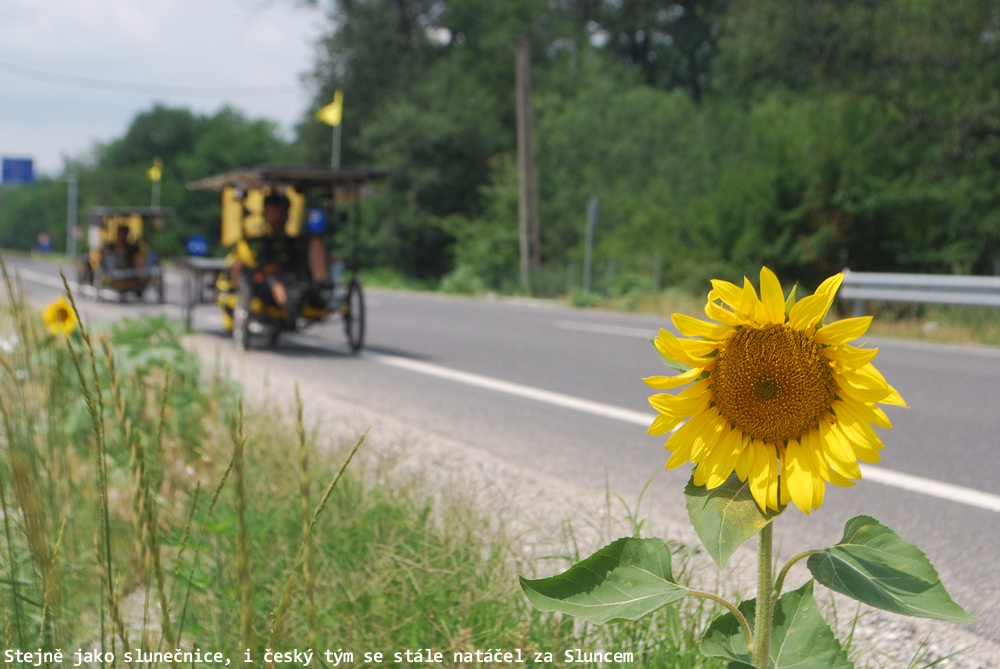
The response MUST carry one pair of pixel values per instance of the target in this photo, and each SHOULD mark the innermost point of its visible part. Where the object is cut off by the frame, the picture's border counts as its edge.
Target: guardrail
(861, 287)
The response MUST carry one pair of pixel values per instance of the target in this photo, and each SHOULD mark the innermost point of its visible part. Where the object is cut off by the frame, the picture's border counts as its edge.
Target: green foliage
(27, 211)
(625, 580)
(800, 637)
(115, 174)
(463, 280)
(631, 578)
(876, 566)
(808, 135)
(725, 517)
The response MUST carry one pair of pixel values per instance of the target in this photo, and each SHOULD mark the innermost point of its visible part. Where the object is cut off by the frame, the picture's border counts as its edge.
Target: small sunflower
(59, 317)
(772, 394)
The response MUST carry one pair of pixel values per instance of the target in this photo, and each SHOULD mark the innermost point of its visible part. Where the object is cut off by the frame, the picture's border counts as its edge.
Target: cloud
(212, 45)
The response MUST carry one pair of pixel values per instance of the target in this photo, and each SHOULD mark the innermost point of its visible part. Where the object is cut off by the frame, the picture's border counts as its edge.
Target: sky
(74, 73)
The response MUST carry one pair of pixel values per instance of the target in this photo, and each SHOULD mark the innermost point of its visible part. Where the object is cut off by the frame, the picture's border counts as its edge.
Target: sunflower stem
(780, 583)
(764, 616)
(744, 625)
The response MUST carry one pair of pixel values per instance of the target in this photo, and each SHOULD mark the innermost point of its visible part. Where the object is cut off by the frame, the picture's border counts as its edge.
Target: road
(559, 391)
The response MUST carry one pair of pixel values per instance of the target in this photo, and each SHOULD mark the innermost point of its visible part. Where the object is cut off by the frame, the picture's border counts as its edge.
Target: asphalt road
(559, 391)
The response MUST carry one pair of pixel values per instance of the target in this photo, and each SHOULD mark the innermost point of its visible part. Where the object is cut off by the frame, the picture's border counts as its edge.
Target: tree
(672, 44)
(116, 173)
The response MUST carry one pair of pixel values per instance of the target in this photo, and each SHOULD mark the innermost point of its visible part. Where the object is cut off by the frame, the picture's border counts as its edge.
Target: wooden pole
(531, 257)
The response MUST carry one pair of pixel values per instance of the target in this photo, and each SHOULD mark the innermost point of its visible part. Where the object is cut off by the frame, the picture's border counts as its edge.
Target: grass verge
(151, 519)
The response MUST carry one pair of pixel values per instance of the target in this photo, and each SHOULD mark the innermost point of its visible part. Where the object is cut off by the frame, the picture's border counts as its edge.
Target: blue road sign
(316, 222)
(17, 171)
(197, 245)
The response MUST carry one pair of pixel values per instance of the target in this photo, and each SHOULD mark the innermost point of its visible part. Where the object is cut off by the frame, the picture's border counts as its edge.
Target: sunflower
(772, 394)
(59, 317)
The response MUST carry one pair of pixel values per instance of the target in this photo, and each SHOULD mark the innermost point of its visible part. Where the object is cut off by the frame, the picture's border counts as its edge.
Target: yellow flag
(330, 114)
(156, 171)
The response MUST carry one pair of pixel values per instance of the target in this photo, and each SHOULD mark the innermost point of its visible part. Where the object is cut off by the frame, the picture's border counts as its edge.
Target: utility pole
(531, 255)
(589, 241)
(71, 200)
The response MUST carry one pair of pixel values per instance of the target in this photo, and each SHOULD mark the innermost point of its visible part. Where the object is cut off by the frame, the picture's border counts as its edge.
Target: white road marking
(931, 488)
(517, 389)
(600, 328)
(53, 282)
(888, 477)
(909, 482)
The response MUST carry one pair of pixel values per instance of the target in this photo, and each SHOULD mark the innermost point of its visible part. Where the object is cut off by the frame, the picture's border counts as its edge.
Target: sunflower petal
(772, 300)
(729, 293)
(850, 356)
(838, 451)
(871, 373)
(683, 440)
(894, 398)
(860, 435)
(843, 331)
(856, 388)
(670, 382)
(678, 350)
(831, 284)
(744, 463)
(707, 441)
(866, 411)
(760, 477)
(718, 312)
(810, 311)
(722, 461)
(749, 302)
(799, 475)
(814, 451)
(693, 327)
(678, 405)
(663, 424)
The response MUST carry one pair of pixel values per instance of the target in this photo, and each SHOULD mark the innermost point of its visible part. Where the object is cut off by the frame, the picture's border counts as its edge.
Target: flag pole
(335, 152)
(331, 114)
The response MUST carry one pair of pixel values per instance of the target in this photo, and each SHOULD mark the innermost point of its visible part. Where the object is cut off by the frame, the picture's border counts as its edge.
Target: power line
(135, 87)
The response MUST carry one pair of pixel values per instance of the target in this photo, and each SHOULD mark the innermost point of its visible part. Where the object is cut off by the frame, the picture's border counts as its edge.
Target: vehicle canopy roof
(107, 220)
(243, 192)
(328, 180)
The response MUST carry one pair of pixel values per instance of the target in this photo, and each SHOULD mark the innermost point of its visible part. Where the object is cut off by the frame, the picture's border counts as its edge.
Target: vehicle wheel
(241, 315)
(85, 275)
(354, 315)
(98, 284)
(275, 336)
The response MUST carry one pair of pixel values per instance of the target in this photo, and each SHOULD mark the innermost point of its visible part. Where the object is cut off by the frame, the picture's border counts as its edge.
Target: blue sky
(151, 49)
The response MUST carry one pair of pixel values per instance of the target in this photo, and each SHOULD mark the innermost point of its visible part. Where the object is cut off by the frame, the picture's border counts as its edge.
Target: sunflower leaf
(800, 636)
(876, 566)
(725, 517)
(625, 580)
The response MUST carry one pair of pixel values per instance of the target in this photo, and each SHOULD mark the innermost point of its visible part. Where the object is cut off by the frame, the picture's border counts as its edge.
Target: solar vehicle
(120, 260)
(315, 285)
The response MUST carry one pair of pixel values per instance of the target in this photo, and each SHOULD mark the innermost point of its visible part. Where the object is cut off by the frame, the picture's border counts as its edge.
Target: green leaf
(876, 566)
(625, 580)
(725, 517)
(725, 638)
(800, 636)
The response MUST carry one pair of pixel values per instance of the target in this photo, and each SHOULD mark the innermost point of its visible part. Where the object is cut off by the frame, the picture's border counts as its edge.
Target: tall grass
(109, 544)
